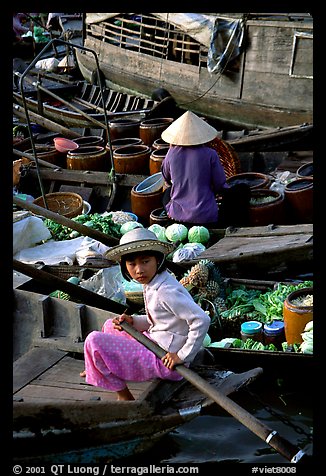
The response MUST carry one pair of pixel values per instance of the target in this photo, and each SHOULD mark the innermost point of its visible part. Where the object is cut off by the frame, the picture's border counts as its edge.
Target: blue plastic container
(252, 330)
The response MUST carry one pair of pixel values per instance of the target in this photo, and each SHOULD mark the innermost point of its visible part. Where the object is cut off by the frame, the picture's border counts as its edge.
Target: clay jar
(159, 217)
(158, 143)
(269, 212)
(85, 141)
(255, 180)
(156, 159)
(142, 204)
(119, 128)
(132, 159)
(296, 316)
(151, 129)
(49, 154)
(88, 158)
(299, 200)
(124, 141)
(306, 170)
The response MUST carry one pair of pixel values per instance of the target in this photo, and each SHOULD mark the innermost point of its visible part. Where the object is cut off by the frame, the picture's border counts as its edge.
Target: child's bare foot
(83, 373)
(125, 395)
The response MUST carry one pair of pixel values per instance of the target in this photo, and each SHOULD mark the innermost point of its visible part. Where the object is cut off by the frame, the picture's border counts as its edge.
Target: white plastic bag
(90, 250)
(28, 232)
(51, 252)
(48, 64)
(107, 282)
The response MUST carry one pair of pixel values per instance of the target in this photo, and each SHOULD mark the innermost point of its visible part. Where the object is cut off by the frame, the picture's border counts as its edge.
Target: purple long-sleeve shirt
(196, 176)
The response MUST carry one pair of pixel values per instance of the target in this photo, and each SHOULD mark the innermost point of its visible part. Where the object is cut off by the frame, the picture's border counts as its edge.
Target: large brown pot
(296, 316)
(142, 204)
(158, 143)
(299, 200)
(88, 158)
(124, 141)
(255, 180)
(156, 159)
(86, 141)
(119, 128)
(151, 129)
(132, 159)
(266, 213)
(49, 154)
(306, 170)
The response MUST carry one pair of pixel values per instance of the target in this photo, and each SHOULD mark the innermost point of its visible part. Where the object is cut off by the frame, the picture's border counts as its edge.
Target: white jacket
(176, 323)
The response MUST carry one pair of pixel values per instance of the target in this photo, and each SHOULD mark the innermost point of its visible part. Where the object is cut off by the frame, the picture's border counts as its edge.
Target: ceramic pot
(299, 200)
(253, 179)
(88, 158)
(132, 159)
(158, 143)
(49, 154)
(119, 128)
(305, 171)
(124, 141)
(85, 141)
(151, 129)
(142, 204)
(156, 159)
(263, 212)
(296, 316)
(159, 217)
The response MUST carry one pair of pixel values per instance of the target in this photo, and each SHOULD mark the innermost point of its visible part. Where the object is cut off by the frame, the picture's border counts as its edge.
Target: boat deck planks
(32, 364)
(59, 379)
(239, 244)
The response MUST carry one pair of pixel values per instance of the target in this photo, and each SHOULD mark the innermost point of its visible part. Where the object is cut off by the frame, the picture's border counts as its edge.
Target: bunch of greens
(105, 224)
(263, 307)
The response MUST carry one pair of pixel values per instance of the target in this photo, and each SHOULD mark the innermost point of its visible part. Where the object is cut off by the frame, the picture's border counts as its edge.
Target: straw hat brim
(189, 129)
(140, 246)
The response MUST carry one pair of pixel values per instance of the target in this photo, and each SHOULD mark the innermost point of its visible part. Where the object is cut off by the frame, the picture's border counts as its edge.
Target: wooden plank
(62, 382)
(32, 364)
(231, 248)
(270, 230)
(87, 177)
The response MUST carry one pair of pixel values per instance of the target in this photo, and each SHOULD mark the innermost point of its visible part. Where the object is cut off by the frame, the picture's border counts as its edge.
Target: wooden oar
(271, 437)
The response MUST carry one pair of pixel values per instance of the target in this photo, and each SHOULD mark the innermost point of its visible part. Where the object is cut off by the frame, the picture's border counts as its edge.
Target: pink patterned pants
(113, 357)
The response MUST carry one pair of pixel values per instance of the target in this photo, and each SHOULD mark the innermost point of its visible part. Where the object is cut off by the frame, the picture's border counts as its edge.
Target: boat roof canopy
(197, 25)
(221, 35)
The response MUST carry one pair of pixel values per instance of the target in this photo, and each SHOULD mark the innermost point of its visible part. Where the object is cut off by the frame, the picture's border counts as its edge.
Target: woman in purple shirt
(193, 172)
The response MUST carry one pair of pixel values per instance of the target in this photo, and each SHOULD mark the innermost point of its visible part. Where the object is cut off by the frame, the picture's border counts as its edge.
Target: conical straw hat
(189, 129)
(138, 240)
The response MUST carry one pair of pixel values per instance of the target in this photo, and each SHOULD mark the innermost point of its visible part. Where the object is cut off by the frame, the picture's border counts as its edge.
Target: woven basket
(228, 156)
(67, 204)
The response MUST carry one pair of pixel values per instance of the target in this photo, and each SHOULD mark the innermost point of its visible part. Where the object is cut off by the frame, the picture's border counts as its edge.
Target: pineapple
(196, 277)
(211, 290)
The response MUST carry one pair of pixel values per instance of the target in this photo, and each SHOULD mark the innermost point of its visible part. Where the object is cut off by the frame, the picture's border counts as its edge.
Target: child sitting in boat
(173, 320)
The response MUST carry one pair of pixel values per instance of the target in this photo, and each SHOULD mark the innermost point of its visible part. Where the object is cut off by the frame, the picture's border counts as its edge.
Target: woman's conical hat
(189, 129)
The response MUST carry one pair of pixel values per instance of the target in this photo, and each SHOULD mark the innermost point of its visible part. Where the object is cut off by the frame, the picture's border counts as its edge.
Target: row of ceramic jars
(268, 206)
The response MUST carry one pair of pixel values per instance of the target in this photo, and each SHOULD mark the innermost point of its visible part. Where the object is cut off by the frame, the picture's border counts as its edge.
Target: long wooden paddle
(271, 437)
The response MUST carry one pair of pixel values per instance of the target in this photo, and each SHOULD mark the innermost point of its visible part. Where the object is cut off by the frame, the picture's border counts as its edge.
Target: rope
(298, 429)
(219, 74)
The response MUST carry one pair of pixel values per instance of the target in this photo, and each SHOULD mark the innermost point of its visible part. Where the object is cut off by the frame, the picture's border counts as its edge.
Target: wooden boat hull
(58, 418)
(88, 100)
(272, 93)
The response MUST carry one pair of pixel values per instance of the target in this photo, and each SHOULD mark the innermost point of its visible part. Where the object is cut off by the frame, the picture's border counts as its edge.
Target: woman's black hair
(159, 256)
